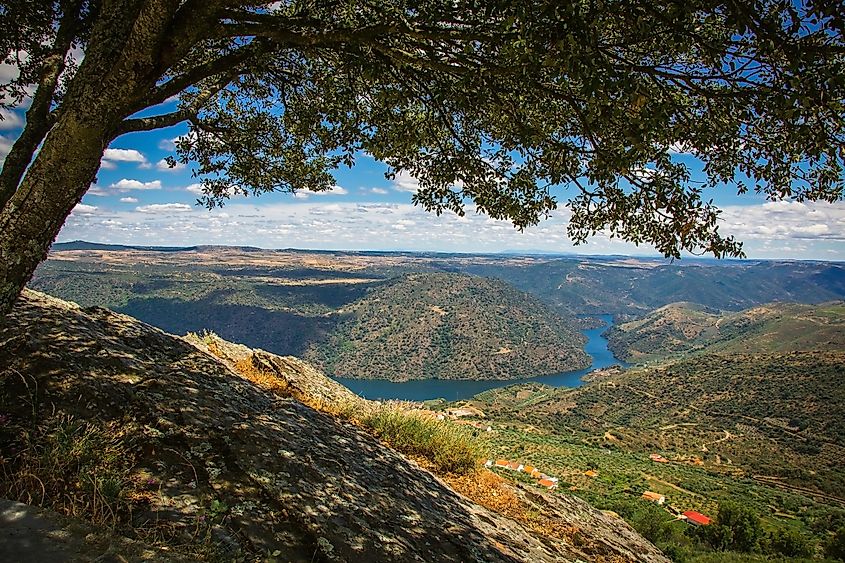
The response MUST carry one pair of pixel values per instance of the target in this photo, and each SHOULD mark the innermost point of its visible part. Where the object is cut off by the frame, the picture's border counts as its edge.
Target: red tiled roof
(697, 518)
(546, 483)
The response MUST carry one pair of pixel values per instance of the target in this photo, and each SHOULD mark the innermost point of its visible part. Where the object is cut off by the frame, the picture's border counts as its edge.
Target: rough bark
(38, 118)
(121, 67)
(54, 184)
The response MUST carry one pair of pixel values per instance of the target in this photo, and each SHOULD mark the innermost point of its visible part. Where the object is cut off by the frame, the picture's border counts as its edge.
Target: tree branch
(168, 119)
(211, 68)
(39, 118)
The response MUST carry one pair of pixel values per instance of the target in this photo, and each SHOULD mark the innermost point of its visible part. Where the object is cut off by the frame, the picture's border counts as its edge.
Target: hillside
(172, 456)
(766, 431)
(100, 275)
(780, 415)
(449, 326)
(352, 317)
(776, 327)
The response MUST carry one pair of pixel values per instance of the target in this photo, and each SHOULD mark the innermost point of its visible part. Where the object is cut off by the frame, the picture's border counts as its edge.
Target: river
(456, 389)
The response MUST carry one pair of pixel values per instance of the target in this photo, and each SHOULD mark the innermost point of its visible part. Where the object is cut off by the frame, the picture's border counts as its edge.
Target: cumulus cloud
(377, 191)
(164, 208)
(770, 230)
(170, 144)
(335, 190)
(85, 209)
(404, 182)
(195, 189)
(113, 156)
(783, 220)
(10, 120)
(126, 185)
(165, 167)
(129, 200)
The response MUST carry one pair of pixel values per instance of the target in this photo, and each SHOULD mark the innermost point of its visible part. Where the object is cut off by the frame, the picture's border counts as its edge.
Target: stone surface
(297, 484)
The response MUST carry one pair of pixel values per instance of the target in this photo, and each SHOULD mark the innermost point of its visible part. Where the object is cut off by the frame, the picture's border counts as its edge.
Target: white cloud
(195, 189)
(125, 185)
(379, 191)
(124, 155)
(113, 156)
(404, 182)
(784, 220)
(10, 120)
(164, 208)
(335, 190)
(5, 147)
(170, 144)
(129, 200)
(85, 209)
(770, 230)
(164, 166)
(680, 147)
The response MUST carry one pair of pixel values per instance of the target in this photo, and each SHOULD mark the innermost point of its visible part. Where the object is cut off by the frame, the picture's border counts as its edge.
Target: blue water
(453, 390)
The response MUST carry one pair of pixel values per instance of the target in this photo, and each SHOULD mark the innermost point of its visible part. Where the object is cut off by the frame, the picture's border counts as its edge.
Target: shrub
(736, 528)
(835, 548)
(450, 448)
(789, 543)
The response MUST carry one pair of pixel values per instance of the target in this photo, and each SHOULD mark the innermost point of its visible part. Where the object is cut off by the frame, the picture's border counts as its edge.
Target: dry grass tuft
(80, 469)
(495, 493)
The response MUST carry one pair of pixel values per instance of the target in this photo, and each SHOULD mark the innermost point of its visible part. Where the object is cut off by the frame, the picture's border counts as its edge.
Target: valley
(729, 388)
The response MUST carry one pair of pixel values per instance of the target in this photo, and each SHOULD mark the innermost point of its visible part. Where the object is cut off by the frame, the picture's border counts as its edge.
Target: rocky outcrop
(264, 476)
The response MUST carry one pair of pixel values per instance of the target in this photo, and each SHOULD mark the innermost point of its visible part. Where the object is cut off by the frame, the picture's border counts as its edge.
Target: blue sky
(137, 199)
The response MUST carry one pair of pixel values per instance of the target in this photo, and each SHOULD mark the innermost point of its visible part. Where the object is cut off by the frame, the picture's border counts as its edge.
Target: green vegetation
(638, 286)
(350, 322)
(684, 328)
(835, 548)
(735, 528)
(754, 440)
(448, 447)
(449, 326)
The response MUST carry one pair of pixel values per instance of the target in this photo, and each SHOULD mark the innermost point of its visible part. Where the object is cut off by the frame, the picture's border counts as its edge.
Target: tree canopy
(494, 103)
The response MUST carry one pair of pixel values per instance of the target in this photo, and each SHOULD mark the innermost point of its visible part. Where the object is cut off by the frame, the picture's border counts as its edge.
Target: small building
(528, 469)
(501, 463)
(548, 483)
(591, 473)
(696, 518)
(536, 473)
(651, 496)
(515, 465)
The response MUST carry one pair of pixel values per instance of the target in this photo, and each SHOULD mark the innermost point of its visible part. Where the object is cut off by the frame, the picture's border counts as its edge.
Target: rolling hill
(682, 328)
(449, 326)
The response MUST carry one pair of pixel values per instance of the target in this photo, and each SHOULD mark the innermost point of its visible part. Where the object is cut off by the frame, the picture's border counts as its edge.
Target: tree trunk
(122, 63)
(58, 178)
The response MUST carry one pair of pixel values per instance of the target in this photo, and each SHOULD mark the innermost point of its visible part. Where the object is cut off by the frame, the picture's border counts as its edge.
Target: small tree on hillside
(835, 548)
(735, 528)
(493, 103)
